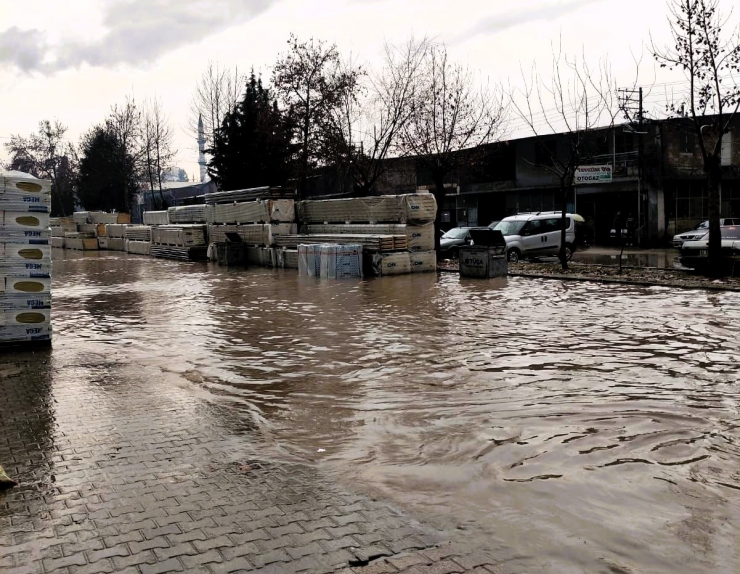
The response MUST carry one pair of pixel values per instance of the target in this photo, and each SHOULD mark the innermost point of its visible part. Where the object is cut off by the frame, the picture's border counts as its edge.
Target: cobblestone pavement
(121, 470)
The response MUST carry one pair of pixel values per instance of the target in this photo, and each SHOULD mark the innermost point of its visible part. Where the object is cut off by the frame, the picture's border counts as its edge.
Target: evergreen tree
(105, 180)
(253, 146)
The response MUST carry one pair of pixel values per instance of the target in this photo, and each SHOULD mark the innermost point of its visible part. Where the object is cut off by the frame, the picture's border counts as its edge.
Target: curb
(610, 280)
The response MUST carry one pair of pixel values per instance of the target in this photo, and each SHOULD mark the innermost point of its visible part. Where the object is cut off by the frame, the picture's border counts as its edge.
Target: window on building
(688, 142)
(727, 149)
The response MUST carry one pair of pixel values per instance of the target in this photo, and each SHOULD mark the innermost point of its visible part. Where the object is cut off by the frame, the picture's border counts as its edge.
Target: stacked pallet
(254, 234)
(368, 242)
(414, 208)
(260, 211)
(330, 261)
(115, 237)
(25, 259)
(59, 226)
(138, 233)
(251, 194)
(155, 218)
(418, 237)
(181, 242)
(396, 231)
(189, 214)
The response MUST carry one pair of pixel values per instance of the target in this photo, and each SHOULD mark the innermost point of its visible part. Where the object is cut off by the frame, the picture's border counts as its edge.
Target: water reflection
(586, 428)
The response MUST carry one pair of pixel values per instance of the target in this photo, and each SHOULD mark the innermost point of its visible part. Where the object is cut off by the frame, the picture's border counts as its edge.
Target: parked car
(493, 224)
(700, 230)
(537, 234)
(455, 238)
(695, 253)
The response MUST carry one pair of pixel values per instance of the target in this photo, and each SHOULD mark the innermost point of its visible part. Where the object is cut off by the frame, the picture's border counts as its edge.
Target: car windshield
(510, 227)
(456, 233)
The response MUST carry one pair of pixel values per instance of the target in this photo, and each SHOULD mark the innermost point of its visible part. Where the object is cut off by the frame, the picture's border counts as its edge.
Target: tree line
(320, 110)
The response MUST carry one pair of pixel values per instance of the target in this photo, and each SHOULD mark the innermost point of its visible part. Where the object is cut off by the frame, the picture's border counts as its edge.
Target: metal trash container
(230, 252)
(486, 256)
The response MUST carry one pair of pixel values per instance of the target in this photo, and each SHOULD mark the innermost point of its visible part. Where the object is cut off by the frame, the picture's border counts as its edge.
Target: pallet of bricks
(260, 217)
(396, 232)
(25, 265)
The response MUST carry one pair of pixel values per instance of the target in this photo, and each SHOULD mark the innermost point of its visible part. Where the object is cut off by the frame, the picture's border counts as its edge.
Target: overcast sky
(73, 59)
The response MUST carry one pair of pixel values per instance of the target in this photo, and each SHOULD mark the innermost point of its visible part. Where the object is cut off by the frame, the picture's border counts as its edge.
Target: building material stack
(115, 237)
(25, 259)
(153, 218)
(138, 239)
(59, 227)
(189, 214)
(252, 194)
(395, 231)
(185, 242)
(260, 224)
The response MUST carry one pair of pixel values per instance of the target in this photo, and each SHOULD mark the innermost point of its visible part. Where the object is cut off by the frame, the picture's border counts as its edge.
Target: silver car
(700, 231)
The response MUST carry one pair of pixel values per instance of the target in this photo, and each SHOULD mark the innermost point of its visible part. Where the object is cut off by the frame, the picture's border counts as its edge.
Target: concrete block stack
(25, 259)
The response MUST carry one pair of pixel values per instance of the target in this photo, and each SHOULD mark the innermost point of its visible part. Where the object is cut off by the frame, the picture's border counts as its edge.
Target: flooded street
(575, 427)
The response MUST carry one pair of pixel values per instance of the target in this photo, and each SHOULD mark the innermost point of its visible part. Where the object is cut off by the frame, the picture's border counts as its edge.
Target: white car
(695, 254)
(700, 231)
(537, 234)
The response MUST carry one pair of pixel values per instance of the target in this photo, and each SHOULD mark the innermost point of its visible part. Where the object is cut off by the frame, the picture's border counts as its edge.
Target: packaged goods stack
(25, 259)
(152, 218)
(60, 226)
(260, 224)
(189, 214)
(395, 231)
(185, 242)
(138, 239)
(252, 194)
(115, 237)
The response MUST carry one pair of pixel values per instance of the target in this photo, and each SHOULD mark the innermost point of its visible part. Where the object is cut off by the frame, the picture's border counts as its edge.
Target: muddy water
(572, 427)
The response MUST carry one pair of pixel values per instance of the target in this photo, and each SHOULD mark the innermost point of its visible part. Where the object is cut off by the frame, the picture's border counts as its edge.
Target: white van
(536, 234)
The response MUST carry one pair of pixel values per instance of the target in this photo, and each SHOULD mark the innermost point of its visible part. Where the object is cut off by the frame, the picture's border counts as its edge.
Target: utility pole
(634, 109)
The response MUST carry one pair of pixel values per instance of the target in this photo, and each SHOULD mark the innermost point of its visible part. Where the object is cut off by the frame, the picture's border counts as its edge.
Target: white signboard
(593, 174)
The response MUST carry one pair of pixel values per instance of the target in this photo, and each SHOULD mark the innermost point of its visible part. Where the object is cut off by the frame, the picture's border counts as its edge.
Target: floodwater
(573, 427)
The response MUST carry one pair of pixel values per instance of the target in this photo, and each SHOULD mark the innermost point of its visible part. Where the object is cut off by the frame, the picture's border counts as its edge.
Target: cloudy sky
(73, 59)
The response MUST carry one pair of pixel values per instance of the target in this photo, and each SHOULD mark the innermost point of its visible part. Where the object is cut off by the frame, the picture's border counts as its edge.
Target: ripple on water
(574, 422)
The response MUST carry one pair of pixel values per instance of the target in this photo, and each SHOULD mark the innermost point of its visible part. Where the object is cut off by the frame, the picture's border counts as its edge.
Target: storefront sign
(593, 174)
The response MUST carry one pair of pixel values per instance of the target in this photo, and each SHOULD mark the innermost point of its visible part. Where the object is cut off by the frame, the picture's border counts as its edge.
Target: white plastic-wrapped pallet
(25, 259)
(340, 261)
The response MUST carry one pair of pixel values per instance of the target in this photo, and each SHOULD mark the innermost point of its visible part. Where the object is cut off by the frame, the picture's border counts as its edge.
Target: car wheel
(514, 255)
(568, 252)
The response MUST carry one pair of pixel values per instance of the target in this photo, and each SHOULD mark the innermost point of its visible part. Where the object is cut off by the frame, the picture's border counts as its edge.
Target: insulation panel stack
(260, 211)
(138, 233)
(255, 234)
(25, 259)
(418, 237)
(413, 208)
(189, 214)
(181, 242)
(330, 261)
(155, 218)
(251, 194)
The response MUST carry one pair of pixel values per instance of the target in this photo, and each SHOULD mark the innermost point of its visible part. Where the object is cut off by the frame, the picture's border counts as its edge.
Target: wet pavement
(533, 426)
(632, 257)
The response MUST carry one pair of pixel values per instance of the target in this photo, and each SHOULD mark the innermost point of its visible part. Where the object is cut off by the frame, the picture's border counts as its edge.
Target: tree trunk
(563, 227)
(714, 178)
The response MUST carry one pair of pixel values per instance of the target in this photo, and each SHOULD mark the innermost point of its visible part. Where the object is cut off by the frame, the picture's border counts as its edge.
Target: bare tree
(577, 105)
(125, 126)
(216, 94)
(709, 55)
(157, 141)
(312, 83)
(46, 154)
(452, 116)
(364, 129)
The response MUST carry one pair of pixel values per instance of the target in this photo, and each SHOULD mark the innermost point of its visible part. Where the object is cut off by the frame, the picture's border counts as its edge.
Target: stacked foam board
(60, 226)
(138, 239)
(260, 211)
(25, 259)
(372, 222)
(182, 242)
(155, 218)
(414, 208)
(249, 194)
(189, 214)
(115, 237)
